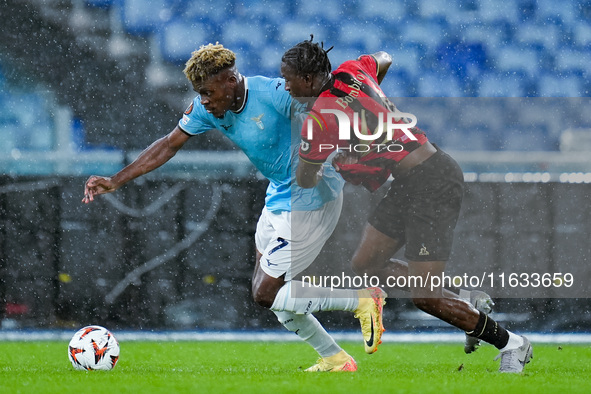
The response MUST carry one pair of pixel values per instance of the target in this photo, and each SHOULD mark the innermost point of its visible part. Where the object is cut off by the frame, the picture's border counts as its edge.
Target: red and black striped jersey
(354, 115)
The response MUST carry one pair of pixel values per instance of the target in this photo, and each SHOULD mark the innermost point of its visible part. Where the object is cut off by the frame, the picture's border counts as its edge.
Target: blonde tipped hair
(207, 61)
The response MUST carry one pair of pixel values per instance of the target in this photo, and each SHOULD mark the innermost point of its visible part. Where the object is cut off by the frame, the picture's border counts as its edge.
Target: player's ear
(232, 79)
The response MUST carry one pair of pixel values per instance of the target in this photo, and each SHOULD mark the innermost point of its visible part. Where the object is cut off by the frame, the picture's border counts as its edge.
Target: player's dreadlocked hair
(308, 57)
(207, 61)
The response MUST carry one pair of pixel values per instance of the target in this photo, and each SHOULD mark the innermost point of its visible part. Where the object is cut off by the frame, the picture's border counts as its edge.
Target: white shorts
(290, 241)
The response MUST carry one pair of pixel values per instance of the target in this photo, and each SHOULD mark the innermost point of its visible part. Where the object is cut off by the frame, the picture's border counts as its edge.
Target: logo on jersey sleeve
(304, 147)
(189, 109)
(185, 120)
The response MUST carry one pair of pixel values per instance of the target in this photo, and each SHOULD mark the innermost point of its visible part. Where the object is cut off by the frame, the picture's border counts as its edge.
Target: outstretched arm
(151, 158)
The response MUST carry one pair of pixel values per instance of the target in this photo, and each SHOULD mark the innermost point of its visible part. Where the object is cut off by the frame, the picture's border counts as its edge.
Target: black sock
(490, 331)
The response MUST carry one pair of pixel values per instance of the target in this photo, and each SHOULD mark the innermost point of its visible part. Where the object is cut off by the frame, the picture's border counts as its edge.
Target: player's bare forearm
(148, 160)
(151, 158)
(308, 174)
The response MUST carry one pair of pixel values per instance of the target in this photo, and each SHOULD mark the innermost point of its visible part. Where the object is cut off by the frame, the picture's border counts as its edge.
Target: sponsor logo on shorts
(423, 251)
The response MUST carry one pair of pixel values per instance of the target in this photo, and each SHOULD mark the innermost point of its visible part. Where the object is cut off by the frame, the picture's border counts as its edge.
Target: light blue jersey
(262, 129)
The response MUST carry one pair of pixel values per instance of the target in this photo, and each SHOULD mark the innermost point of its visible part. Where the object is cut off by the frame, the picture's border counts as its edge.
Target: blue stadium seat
(178, 39)
(426, 33)
(270, 60)
(142, 17)
(9, 125)
(456, 139)
(502, 85)
(236, 32)
(495, 11)
(582, 34)
(376, 10)
(399, 83)
(368, 42)
(406, 58)
(573, 61)
(550, 10)
(464, 59)
(25, 123)
(523, 138)
(578, 114)
(541, 115)
(510, 58)
(432, 84)
(552, 85)
(101, 3)
(329, 10)
(433, 8)
(541, 35)
(219, 11)
(248, 59)
(488, 34)
(270, 12)
(293, 31)
(479, 113)
(434, 115)
(482, 47)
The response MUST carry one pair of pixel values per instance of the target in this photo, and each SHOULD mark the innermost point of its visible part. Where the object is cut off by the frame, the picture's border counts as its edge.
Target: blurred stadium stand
(170, 254)
(86, 84)
(467, 48)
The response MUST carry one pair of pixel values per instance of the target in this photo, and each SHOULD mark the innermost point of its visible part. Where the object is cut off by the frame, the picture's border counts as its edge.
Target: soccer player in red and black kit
(423, 203)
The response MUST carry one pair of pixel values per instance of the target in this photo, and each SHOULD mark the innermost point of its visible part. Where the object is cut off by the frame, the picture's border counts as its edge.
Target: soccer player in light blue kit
(256, 113)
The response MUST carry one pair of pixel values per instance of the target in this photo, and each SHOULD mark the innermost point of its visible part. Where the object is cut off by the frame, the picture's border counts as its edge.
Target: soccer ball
(93, 347)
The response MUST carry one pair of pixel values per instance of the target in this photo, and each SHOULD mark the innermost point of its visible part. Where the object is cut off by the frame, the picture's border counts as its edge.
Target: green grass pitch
(275, 367)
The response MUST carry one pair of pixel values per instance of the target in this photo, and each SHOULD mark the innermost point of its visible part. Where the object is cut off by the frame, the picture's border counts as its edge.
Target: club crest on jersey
(258, 121)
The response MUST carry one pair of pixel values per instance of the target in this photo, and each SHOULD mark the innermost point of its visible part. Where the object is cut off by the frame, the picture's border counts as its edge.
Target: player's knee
(265, 289)
(262, 297)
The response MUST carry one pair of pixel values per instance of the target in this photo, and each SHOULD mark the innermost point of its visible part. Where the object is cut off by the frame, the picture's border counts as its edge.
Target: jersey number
(282, 244)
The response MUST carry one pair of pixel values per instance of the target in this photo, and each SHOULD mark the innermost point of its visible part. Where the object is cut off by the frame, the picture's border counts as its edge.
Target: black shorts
(421, 208)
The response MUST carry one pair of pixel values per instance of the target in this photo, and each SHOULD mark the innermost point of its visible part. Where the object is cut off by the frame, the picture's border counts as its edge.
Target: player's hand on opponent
(344, 158)
(96, 185)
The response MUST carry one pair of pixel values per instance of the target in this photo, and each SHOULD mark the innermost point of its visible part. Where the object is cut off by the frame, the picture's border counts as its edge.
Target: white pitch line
(277, 336)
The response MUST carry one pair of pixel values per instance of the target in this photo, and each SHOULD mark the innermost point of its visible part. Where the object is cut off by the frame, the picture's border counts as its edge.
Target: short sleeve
(280, 97)
(369, 64)
(195, 119)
